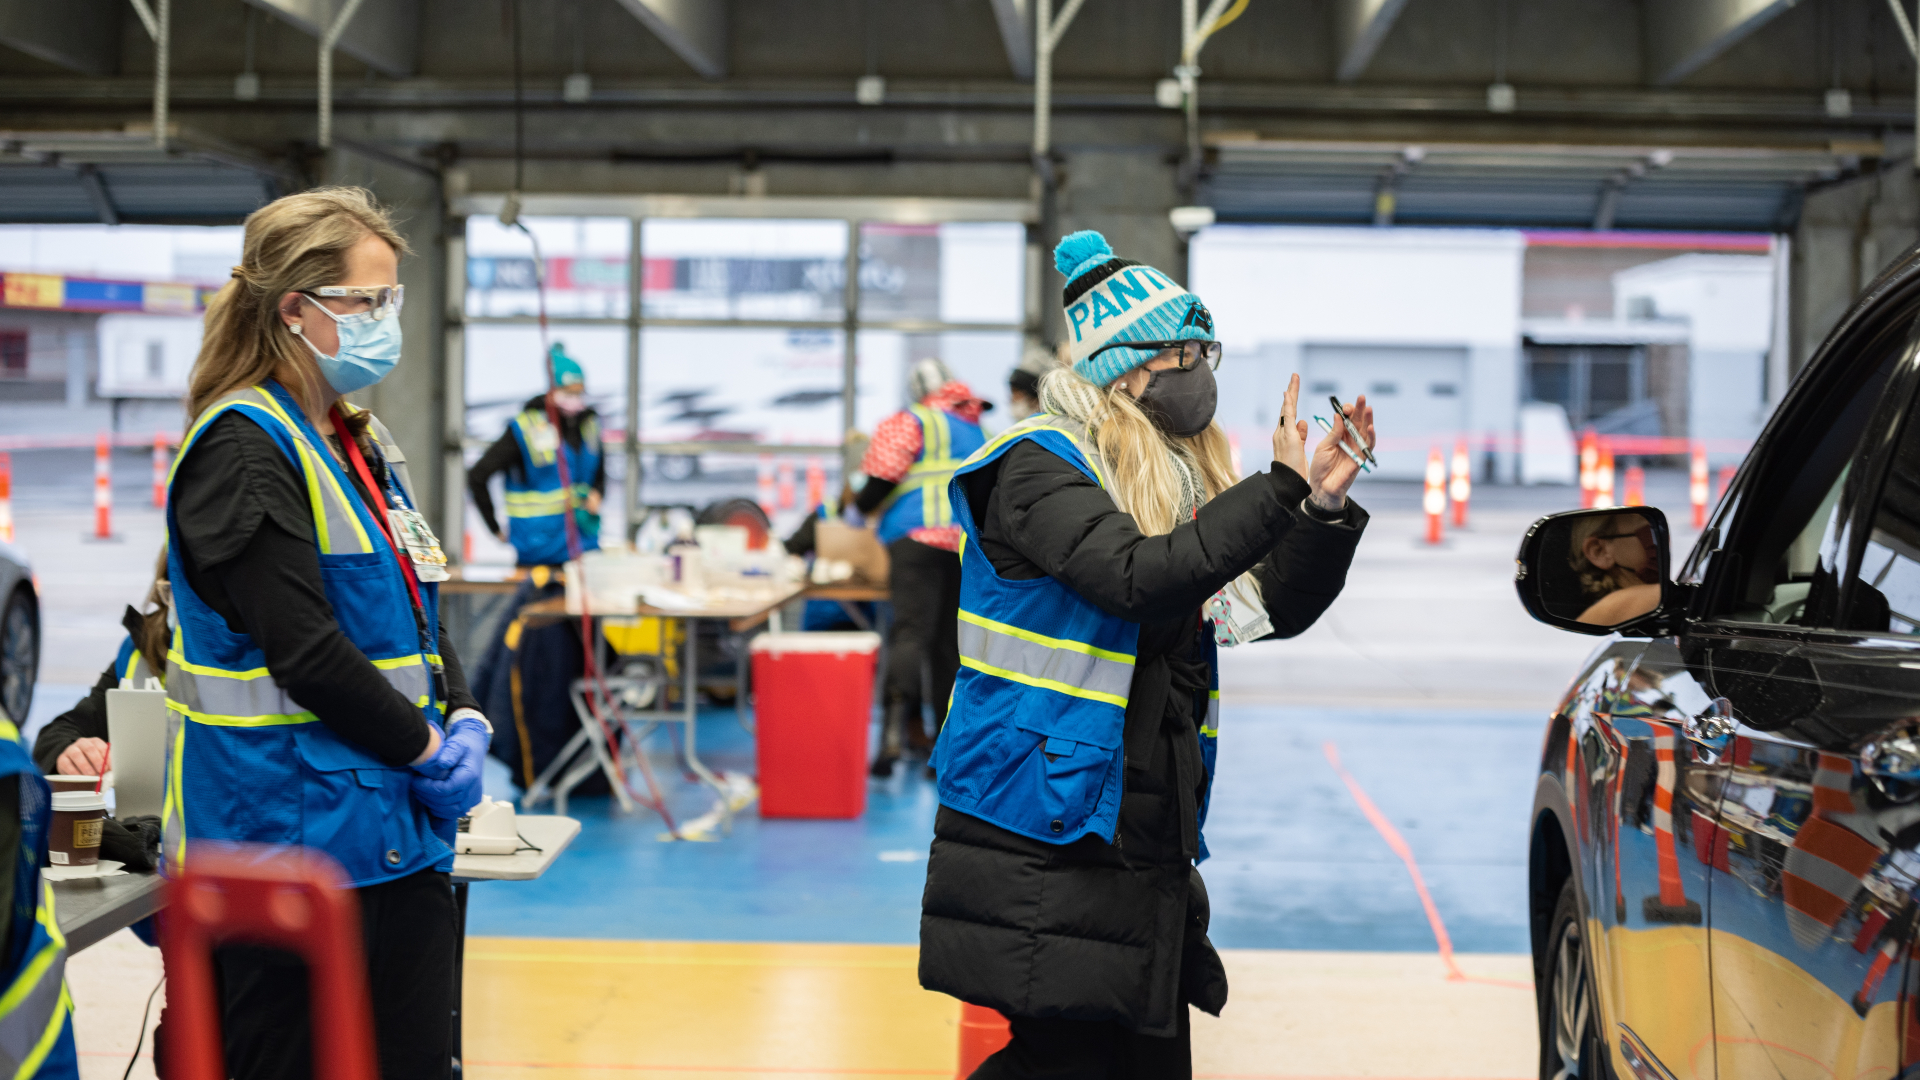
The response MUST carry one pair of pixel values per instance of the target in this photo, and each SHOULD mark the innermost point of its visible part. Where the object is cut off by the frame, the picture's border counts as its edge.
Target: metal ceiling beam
(96, 189)
(1683, 36)
(80, 35)
(385, 36)
(1359, 26)
(1015, 19)
(696, 30)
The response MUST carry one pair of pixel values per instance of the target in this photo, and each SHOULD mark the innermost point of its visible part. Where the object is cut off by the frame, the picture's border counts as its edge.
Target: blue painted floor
(1295, 866)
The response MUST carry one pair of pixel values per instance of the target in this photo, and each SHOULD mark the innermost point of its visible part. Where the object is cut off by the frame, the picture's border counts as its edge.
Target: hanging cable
(597, 694)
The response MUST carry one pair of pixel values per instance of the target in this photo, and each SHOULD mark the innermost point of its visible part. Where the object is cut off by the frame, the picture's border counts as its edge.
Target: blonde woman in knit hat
(1078, 757)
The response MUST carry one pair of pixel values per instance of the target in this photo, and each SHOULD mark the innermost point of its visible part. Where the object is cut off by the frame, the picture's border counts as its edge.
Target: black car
(1725, 844)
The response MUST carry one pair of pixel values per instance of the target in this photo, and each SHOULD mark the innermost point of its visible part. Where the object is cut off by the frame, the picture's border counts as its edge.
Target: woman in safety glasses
(1078, 755)
(316, 700)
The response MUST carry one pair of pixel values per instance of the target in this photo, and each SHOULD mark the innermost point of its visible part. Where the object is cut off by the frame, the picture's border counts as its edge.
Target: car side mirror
(1598, 571)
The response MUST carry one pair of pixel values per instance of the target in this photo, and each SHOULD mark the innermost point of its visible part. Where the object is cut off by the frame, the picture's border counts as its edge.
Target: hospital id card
(429, 562)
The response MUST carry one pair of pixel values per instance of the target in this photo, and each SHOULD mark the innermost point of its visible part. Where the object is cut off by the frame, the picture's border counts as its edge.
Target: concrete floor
(1426, 677)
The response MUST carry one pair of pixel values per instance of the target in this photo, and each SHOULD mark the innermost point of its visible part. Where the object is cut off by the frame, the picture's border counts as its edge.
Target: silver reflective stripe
(1212, 726)
(1037, 661)
(255, 695)
(396, 461)
(24, 1026)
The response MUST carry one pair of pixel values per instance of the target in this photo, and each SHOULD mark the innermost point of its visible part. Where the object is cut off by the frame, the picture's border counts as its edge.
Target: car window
(1885, 596)
(1783, 535)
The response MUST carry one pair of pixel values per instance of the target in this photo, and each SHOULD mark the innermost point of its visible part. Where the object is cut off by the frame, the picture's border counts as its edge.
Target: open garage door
(1419, 396)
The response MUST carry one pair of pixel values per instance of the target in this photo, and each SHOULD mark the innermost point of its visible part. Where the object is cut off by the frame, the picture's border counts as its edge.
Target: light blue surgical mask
(369, 347)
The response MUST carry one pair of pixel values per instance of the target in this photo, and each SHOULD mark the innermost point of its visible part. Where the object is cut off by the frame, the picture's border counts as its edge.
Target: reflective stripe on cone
(1825, 866)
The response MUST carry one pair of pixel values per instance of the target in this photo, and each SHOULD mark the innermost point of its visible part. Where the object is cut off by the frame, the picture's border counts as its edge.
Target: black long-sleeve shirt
(504, 456)
(246, 534)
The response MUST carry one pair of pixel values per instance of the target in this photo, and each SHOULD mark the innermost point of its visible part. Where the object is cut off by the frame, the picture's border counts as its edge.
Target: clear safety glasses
(383, 301)
(1191, 352)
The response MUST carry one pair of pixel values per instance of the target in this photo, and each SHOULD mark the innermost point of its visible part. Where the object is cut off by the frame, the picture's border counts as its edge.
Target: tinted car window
(1886, 595)
(1778, 564)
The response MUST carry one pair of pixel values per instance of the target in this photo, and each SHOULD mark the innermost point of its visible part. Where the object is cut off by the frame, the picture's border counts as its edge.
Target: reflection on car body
(1727, 820)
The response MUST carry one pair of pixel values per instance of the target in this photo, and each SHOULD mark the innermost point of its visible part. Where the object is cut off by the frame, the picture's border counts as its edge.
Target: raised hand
(1290, 437)
(1333, 470)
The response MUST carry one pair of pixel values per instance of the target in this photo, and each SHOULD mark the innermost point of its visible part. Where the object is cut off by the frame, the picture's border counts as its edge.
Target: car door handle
(1712, 724)
(1894, 757)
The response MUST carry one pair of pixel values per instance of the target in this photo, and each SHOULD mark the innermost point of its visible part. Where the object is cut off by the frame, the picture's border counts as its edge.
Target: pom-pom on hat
(567, 374)
(1110, 301)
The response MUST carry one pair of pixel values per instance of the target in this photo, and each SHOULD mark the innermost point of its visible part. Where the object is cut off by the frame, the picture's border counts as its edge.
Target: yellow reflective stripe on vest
(538, 436)
(529, 504)
(173, 816)
(1072, 429)
(336, 526)
(211, 695)
(1068, 667)
(34, 1010)
(930, 473)
(1211, 726)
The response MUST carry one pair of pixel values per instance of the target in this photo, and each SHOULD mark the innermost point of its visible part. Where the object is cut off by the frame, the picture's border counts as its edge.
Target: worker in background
(1077, 760)
(36, 1011)
(908, 464)
(1023, 383)
(528, 453)
(296, 551)
(75, 742)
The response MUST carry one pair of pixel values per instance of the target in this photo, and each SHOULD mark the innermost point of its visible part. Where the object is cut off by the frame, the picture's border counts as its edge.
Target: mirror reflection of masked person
(1617, 560)
(908, 464)
(1076, 764)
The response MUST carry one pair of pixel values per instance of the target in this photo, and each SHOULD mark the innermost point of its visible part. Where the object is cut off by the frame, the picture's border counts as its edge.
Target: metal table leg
(459, 971)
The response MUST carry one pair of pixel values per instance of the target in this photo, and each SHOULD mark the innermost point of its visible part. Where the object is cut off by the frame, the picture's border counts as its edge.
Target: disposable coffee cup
(73, 783)
(79, 817)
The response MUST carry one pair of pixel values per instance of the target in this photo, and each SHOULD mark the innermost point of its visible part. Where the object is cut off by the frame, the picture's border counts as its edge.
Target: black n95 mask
(1181, 402)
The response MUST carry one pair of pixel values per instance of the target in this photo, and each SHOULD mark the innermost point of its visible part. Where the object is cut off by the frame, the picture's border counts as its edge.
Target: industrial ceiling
(1682, 114)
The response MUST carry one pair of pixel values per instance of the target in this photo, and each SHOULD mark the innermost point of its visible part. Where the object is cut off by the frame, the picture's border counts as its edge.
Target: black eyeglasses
(1190, 352)
(1644, 534)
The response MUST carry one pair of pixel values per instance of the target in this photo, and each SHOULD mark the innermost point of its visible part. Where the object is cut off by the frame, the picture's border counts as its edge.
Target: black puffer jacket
(1092, 930)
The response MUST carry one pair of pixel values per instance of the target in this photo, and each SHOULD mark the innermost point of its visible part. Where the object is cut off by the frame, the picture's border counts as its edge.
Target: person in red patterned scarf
(913, 455)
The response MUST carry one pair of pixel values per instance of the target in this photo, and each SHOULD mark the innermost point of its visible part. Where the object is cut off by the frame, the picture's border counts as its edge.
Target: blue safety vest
(1034, 739)
(131, 665)
(536, 504)
(919, 500)
(247, 762)
(36, 1012)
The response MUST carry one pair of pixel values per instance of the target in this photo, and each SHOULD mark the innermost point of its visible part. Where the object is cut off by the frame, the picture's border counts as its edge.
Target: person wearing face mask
(1078, 756)
(907, 467)
(315, 699)
(527, 453)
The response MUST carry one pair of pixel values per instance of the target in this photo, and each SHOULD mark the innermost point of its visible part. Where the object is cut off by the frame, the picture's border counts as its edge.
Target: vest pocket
(344, 791)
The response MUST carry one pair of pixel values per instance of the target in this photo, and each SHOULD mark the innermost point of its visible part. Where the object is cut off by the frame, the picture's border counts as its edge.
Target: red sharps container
(813, 699)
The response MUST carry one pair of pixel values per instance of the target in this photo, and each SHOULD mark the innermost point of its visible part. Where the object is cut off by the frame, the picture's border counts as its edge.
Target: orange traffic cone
(785, 483)
(1603, 477)
(765, 484)
(1460, 483)
(816, 483)
(103, 487)
(983, 1032)
(1824, 867)
(1697, 485)
(1671, 905)
(1636, 486)
(1589, 467)
(1434, 501)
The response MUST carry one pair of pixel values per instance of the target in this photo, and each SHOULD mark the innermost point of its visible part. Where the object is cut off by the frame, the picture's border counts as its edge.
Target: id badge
(429, 562)
(544, 440)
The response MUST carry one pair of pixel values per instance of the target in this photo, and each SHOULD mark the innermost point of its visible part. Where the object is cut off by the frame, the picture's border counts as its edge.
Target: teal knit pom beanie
(1111, 301)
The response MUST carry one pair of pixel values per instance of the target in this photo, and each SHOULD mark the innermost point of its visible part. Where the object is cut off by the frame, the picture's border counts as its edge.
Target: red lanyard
(352, 449)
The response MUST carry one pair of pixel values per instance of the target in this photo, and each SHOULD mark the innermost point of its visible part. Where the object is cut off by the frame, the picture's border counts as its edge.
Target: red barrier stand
(293, 899)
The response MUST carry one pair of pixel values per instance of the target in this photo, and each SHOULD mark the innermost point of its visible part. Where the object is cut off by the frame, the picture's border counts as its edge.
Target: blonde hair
(292, 244)
(1595, 582)
(1142, 464)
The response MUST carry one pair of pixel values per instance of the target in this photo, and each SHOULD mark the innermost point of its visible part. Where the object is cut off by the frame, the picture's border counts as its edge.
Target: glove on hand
(449, 783)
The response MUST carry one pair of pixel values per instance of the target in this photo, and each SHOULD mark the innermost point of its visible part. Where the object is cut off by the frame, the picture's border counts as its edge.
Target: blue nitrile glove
(449, 783)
